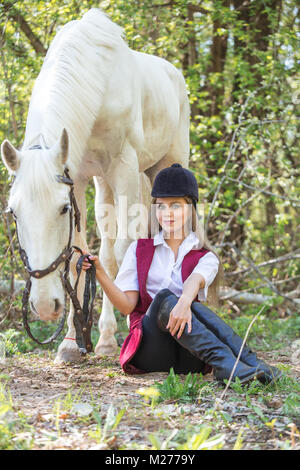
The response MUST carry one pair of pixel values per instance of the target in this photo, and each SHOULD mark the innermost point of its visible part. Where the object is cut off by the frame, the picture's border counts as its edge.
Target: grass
(269, 332)
(15, 432)
(198, 439)
(187, 390)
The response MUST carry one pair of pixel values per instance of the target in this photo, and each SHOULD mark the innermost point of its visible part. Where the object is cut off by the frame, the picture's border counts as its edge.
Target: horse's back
(154, 67)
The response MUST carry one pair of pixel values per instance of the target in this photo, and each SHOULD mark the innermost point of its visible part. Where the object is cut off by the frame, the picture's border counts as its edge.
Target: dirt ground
(57, 401)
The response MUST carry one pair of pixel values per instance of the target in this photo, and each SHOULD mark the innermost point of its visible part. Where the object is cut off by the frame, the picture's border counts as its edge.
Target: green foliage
(200, 440)
(287, 385)
(253, 388)
(291, 404)
(14, 430)
(174, 388)
(268, 332)
(17, 342)
(9, 338)
(106, 428)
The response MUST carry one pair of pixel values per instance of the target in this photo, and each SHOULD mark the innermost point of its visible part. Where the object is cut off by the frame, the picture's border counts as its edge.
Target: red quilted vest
(144, 253)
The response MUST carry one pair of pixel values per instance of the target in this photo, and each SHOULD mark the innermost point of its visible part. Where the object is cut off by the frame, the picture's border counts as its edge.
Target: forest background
(240, 59)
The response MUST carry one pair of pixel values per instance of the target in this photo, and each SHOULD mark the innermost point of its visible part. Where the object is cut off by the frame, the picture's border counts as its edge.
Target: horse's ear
(61, 149)
(10, 156)
(64, 146)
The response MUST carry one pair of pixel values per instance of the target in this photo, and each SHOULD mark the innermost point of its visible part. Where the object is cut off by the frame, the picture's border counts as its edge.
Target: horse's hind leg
(125, 196)
(105, 217)
(178, 151)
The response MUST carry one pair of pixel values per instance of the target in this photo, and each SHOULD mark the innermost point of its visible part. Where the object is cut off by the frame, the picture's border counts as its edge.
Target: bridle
(82, 315)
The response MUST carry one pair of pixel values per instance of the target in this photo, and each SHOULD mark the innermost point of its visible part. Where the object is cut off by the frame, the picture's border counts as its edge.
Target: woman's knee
(161, 307)
(158, 316)
(163, 319)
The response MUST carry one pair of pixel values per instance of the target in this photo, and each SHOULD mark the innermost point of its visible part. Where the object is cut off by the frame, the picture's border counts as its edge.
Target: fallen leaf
(39, 417)
(274, 403)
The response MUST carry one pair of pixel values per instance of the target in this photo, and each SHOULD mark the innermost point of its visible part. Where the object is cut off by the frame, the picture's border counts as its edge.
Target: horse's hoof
(106, 348)
(68, 351)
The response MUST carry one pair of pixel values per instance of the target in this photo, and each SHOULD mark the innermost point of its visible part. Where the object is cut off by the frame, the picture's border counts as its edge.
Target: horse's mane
(69, 90)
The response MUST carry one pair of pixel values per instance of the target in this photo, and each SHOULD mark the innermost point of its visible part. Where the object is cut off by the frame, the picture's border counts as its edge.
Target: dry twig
(239, 354)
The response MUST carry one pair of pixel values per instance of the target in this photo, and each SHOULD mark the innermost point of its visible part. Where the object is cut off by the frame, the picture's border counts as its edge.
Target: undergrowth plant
(105, 428)
(200, 440)
(15, 432)
(187, 390)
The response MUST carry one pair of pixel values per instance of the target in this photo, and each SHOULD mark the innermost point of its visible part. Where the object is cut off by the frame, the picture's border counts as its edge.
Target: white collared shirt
(164, 271)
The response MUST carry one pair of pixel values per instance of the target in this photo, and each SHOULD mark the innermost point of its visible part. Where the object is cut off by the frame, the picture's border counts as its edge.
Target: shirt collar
(191, 240)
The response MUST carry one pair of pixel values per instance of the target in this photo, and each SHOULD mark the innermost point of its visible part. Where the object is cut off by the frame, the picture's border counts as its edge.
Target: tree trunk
(218, 52)
(258, 27)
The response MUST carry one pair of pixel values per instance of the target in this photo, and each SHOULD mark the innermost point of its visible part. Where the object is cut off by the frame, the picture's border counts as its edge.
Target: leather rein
(83, 316)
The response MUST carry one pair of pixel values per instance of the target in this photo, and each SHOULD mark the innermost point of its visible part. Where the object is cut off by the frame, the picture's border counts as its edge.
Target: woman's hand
(179, 317)
(181, 313)
(86, 265)
(125, 302)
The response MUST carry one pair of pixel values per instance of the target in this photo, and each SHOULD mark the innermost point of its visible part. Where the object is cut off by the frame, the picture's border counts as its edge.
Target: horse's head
(41, 205)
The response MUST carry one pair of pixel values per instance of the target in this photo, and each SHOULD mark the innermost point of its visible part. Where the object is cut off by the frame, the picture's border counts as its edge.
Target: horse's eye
(65, 209)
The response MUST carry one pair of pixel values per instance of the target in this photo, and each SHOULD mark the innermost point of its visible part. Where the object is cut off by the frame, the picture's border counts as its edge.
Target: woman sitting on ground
(160, 285)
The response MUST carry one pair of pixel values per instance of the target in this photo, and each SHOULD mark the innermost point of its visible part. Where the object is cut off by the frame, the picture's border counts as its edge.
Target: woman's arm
(208, 266)
(181, 313)
(191, 287)
(125, 302)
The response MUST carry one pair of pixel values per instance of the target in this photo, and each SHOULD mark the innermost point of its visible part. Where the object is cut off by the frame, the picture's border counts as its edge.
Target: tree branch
(193, 8)
(250, 298)
(10, 95)
(239, 355)
(260, 274)
(17, 16)
(287, 257)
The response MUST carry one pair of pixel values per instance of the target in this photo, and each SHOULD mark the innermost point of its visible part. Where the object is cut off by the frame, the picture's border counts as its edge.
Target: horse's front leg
(68, 350)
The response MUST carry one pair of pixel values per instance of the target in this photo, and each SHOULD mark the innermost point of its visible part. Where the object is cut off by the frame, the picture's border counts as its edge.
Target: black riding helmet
(175, 181)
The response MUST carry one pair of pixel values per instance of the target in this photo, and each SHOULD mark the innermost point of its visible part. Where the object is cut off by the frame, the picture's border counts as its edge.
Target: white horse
(127, 116)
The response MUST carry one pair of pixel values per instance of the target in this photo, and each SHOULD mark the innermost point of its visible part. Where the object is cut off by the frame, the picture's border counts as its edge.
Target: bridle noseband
(82, 315)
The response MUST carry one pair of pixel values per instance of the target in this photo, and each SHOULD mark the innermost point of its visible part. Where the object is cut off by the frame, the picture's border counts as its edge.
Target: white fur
(127, 117)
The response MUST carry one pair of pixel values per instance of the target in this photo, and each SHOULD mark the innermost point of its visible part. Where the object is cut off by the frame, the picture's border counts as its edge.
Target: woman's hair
(197, 227)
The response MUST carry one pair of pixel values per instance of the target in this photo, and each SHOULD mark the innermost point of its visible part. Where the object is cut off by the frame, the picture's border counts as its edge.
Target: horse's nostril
(56, 305)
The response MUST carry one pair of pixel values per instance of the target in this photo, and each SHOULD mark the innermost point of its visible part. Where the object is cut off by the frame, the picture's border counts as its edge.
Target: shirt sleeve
(127, 275)
(208, 267)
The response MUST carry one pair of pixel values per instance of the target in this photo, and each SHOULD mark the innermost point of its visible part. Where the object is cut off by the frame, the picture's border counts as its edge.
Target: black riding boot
(202, 343)
(226, 334)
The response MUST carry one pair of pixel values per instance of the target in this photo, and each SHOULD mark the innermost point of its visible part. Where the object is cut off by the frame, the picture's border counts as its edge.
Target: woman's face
(173, 215)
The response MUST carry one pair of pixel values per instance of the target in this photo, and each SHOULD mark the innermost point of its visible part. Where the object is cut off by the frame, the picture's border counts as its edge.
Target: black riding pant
(159, 351)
